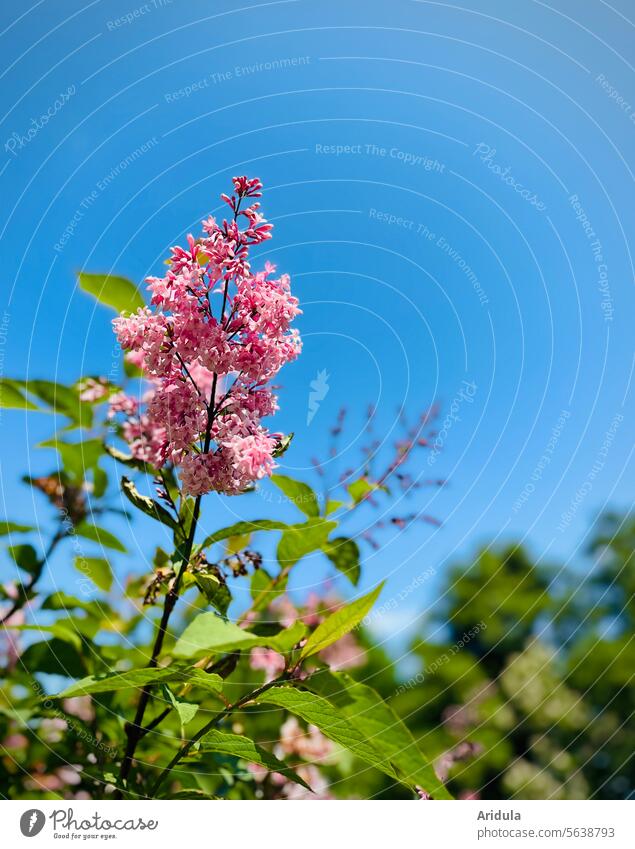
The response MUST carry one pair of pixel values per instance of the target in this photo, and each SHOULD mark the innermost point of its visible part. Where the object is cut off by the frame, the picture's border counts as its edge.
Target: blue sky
(452, 193)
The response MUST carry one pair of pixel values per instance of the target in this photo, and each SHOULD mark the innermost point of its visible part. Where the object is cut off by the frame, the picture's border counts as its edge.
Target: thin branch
(184, 750)
(19, 603)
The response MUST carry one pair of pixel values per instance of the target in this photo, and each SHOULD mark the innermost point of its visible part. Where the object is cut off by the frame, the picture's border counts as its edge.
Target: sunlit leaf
(186, 710)
(361, 489)
(245, 749)
(299, 540)
(118, 293)
(100, 536)
(215, 591)
(240, 528)
(282, 445)
(332, 506)
(7, 527)
(209, 633)
(382, 727)
(339, 623)
(77, 457)
(317, 711)
(299, 493)
(136, 678)
(12, 398)
(61, 399)
(96, 569)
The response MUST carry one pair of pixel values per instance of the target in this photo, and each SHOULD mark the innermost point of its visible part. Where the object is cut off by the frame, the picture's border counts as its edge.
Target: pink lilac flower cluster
(213, 338)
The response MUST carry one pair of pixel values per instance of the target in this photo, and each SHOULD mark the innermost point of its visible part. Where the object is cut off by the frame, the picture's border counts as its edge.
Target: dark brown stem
(135, 730)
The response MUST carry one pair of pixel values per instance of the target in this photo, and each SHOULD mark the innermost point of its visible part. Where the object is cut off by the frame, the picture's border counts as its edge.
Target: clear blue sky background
(392, 315)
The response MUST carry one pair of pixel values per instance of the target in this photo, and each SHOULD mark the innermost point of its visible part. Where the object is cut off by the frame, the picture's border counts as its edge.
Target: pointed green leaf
(241, 528)
(332, 506)
(247, 750)
(7, 528)
(61, 399)
(118, 293)
(339, 623)
(361, 705)
(344, 555)
(361, 488)
(77, 457)
(185, 710)
(11, 397)
(299, 540)
(299, 493)
(216, 592)
(97, 569)
(282, 445)
(147, 505)
(316, 710)
(137, 678)
(209, 633)
(100, 536)
(26, 558)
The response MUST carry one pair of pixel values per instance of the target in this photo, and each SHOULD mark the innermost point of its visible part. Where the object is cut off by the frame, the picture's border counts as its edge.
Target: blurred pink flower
(268, 660)
(344, 654)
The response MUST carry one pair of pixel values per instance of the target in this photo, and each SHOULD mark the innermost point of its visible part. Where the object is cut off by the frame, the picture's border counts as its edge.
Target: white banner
(278, 825)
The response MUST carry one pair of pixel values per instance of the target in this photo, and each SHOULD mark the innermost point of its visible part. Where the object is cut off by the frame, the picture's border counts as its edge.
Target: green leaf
(316, 710)
(97, 569)
(216, 592)
(147, 505)
(61, 399)
(382, 727)
(55, 657)
(332, 506)
(63, 601)
(11, 397)
(299, 493)
(141, 678)
(100, 482)
(185, 710)
(118, 293)
(77, 457)
(189, 793)
(344, 555)
(7, 528)
(100, 536)
(282, 445)
(208, 633)
(71, 630)
(131, 370)
(339, 623)
(247, 750)
(241, 528)
(362, 487)
(299, 540)
(290, 637)
(26, 558)
(127, 459)
(264, 589)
